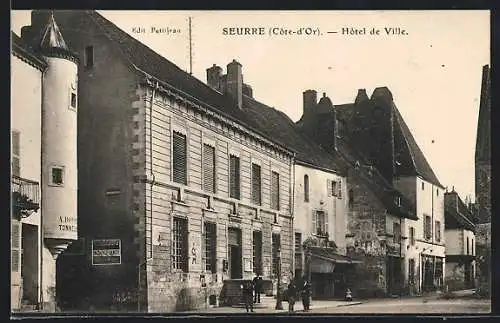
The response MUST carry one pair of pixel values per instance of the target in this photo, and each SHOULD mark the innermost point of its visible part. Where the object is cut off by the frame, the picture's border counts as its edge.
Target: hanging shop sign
(106, 252)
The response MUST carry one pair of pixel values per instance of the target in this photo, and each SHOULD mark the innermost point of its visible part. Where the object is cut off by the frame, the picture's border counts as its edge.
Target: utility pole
(190, 49)
(279, 305)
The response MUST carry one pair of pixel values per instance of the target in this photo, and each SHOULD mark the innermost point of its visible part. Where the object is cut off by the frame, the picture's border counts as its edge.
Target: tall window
(257, 252)
(411, 271)
(234, 177)
(438, 231)
(320, 223)
(472, 246)
(412, 236)
(256, 184)
(210, 247)
(276, 252)
(334, 188)
(16, 153)
(179, 158)
(89, 56)
(275, 190)
(396, 231)
(351, 198)
(427, 228)
(208, 168)
(467, 245)
(180, 244)
(298, 251)
(306, 188)
(423, 186)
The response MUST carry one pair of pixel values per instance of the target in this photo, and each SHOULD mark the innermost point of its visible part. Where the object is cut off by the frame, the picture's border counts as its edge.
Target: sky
(430, 60)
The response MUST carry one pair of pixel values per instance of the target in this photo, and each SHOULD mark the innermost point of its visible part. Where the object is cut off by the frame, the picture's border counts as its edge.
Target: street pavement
(463, 302)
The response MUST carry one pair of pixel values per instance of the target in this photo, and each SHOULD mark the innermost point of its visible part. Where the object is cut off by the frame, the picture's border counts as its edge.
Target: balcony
(25, 197)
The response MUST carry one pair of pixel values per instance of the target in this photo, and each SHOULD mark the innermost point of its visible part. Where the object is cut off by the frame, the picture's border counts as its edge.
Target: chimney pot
(310, 99)
(234, 82)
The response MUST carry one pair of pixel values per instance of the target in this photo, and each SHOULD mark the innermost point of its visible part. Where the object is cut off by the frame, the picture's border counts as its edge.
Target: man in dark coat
(247, 288)
(257, 284)
(292, 295)
(306, 295)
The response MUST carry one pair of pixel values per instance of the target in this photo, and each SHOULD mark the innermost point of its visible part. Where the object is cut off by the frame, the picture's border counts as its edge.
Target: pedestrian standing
(292, 295)
(257, 284)
(247, 288)
(306, 295)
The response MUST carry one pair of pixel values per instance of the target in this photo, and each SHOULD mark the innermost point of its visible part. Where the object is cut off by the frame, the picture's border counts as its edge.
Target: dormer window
(397, 200)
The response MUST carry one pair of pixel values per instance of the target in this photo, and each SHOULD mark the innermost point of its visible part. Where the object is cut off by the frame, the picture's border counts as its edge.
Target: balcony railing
(25, 196)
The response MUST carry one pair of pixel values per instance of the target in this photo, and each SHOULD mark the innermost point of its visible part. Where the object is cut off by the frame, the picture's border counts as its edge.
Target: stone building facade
(44, 169)
(460, 243)
(387, 202)
(179, 189)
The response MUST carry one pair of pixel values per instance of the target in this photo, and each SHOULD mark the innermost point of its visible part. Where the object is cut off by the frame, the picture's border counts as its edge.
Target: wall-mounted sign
(106, 252)
(248, 264)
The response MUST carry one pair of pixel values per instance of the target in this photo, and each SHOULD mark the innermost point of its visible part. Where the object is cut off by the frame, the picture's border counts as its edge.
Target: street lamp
(279, 305)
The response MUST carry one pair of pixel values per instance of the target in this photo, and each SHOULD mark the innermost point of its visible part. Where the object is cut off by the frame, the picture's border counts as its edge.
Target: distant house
(180, 190)
(396, 207)
(44, 105)
(460, 243)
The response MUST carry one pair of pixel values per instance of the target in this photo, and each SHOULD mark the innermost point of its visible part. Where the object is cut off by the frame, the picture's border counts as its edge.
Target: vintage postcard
(234, 162)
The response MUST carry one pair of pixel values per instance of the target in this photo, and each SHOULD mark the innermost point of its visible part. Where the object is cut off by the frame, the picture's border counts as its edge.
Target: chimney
(382, 93)
(214, 77)
(235, 82)
(310, 99)
(247, 90)
(361, 96)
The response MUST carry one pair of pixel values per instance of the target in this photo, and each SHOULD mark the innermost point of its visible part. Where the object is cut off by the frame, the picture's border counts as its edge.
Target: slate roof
(21, 48)
(147, 60)
(418, 164)
(279, 126)
(457, 214)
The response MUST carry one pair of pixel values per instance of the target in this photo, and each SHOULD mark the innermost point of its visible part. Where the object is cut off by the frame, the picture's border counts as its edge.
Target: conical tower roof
(52, 43)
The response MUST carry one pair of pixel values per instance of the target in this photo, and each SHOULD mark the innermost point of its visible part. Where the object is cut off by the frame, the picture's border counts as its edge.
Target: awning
(324, 260)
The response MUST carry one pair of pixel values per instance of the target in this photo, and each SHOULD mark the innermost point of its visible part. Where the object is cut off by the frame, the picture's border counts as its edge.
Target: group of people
(251, 292)
(253, 289)
(302, 290)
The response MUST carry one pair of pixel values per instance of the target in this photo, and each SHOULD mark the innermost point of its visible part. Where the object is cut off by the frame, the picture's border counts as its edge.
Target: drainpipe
(40, 201)
(401, 274)
(150, 197)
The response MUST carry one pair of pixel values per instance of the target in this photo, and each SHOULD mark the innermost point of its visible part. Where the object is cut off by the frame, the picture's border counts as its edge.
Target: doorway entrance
(235, 253)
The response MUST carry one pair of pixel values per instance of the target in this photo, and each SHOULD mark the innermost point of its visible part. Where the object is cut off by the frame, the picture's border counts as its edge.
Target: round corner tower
(59, 141)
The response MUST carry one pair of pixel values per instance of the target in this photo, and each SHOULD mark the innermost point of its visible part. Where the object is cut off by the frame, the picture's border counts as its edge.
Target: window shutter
(208, 168)
(314, 216)
(325, 229)
(15, 247)
(329, 187)
(234, 177)
(179, 158)
(256, 184)
(16, 150)
(275, 190)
